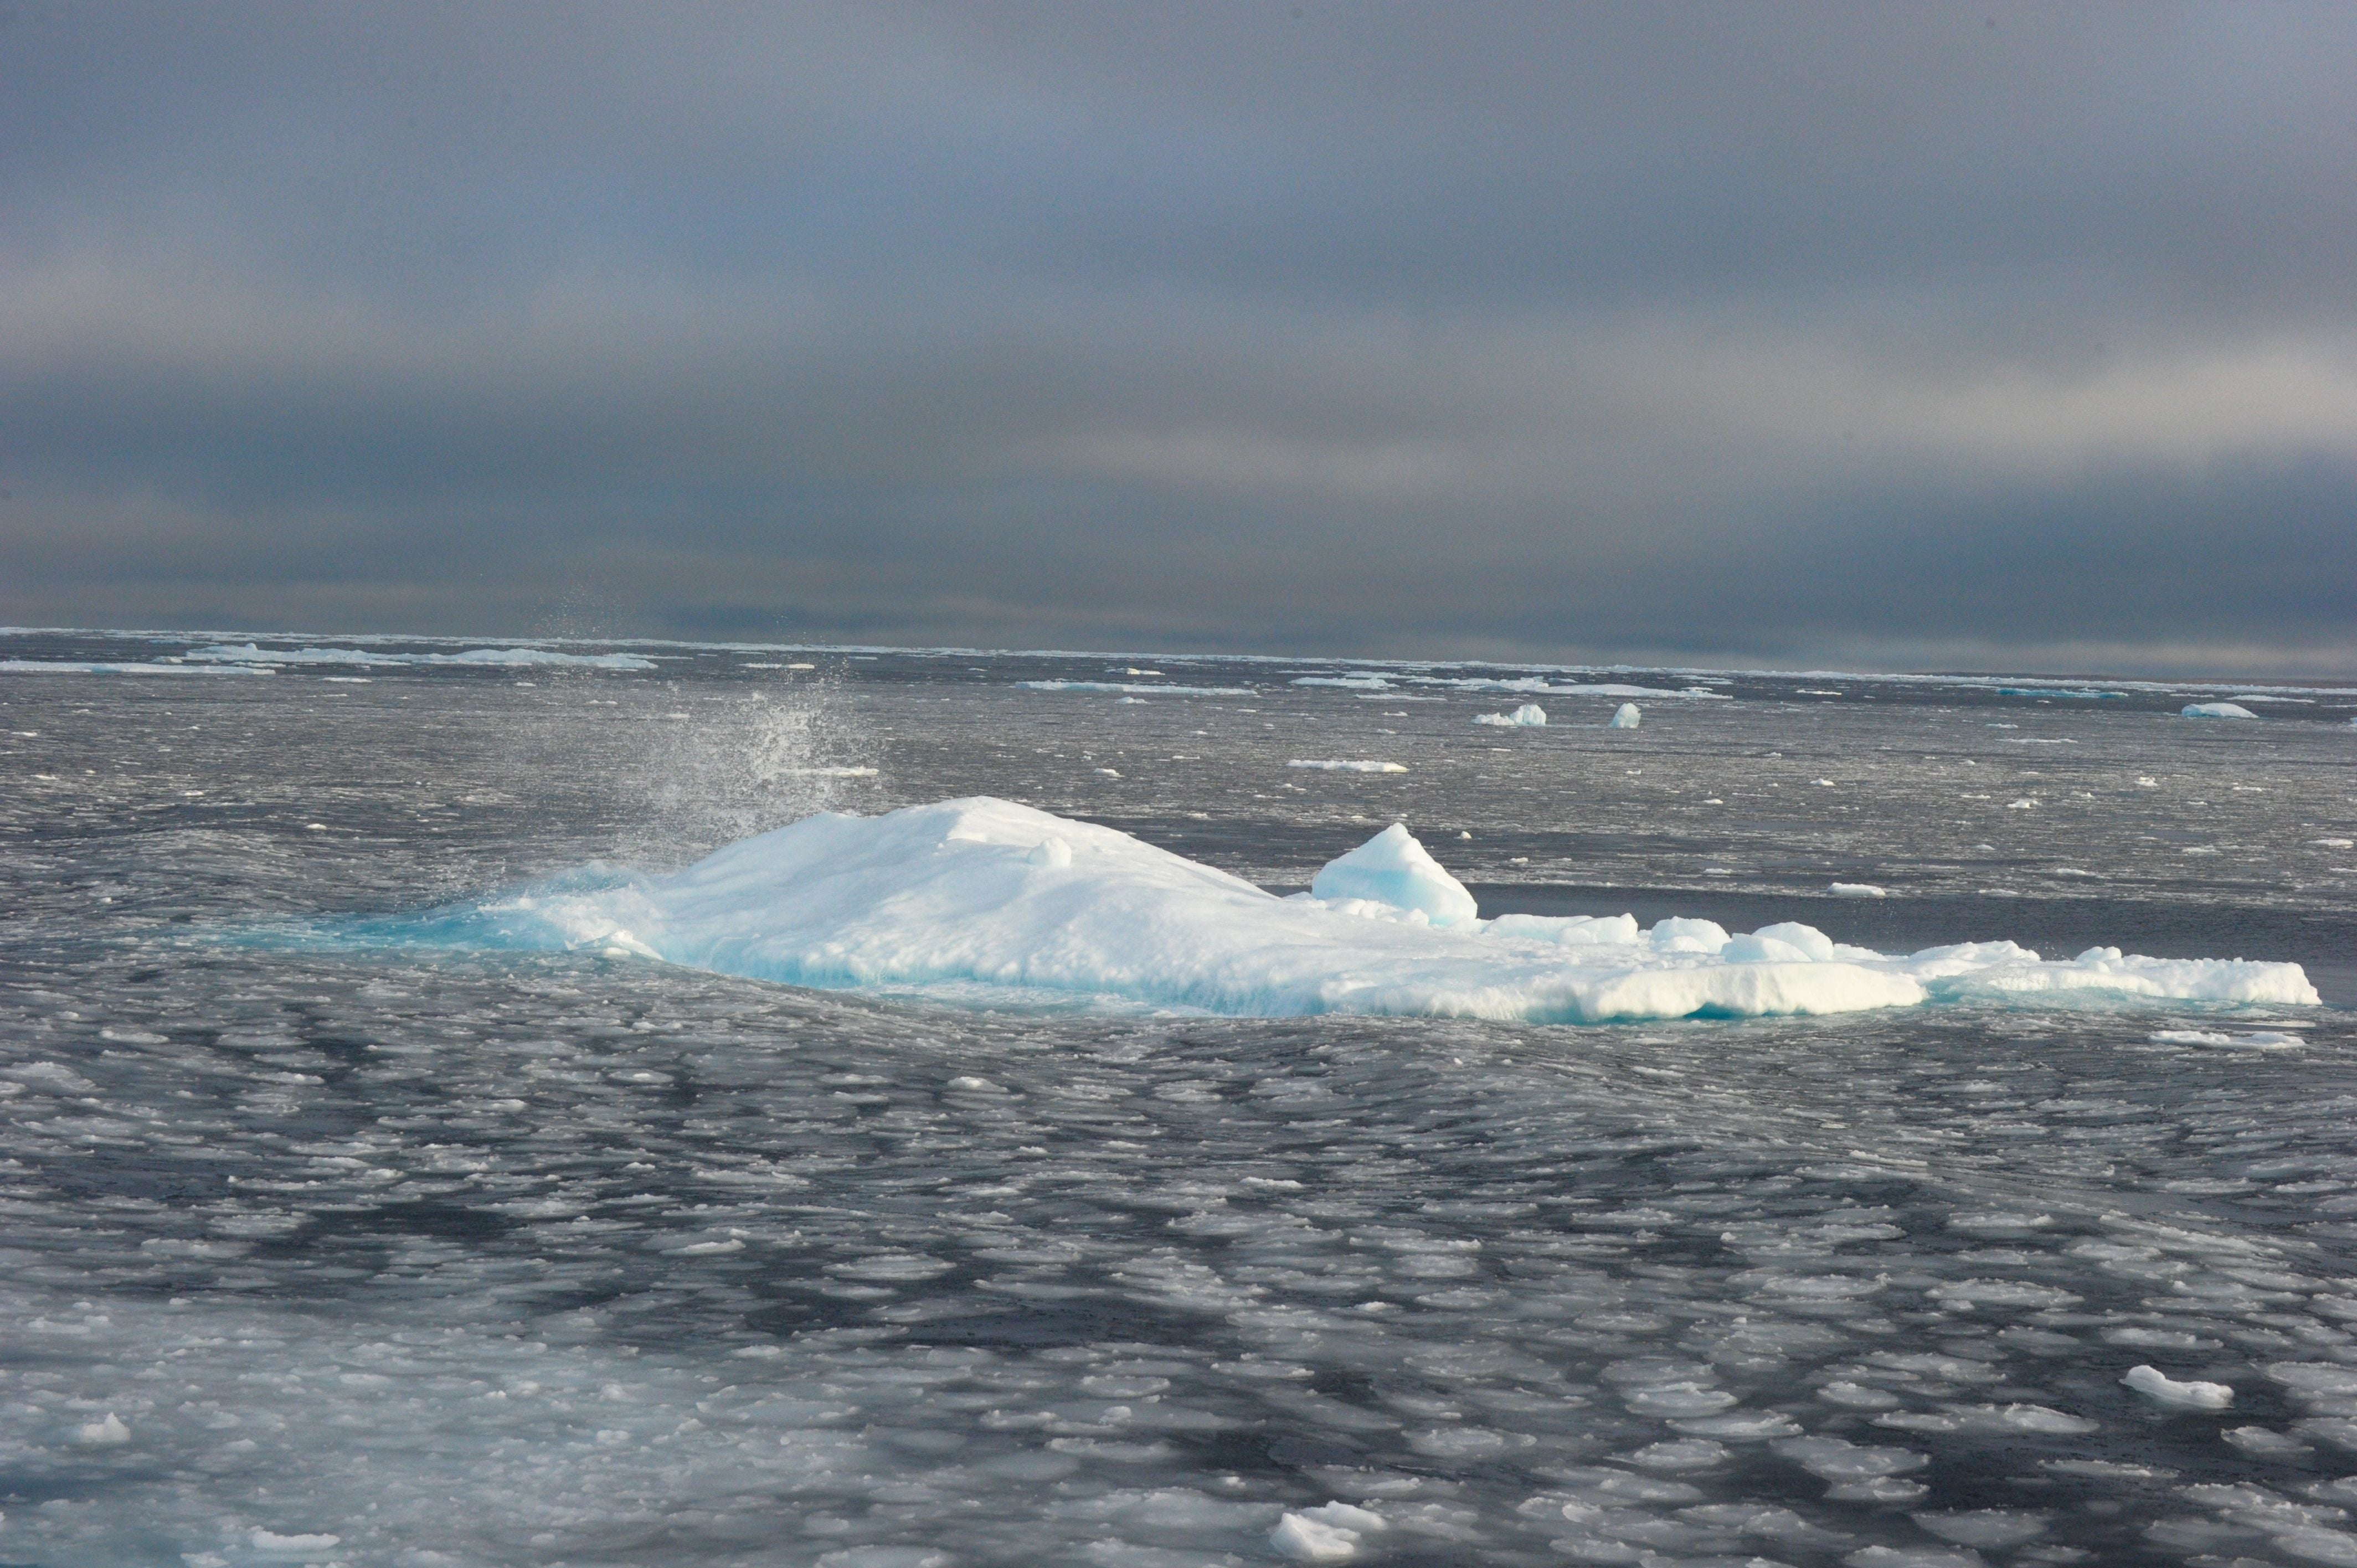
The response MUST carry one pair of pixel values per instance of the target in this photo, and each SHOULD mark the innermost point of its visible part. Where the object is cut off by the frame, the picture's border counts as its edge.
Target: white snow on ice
(985, 892)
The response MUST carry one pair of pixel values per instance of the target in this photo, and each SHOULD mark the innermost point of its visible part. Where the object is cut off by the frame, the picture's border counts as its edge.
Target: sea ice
(1316, 765)
(1529, 715)
(1627, 716)
(250, 653)
(1857, 890)
(2162, 1389)
(986, 892)
(1327, 1534)
(1393, 869)
(2216, 710)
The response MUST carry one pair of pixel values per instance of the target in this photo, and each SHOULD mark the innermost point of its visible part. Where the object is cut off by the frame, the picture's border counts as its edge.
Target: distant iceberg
(1529, 715)
(982, 893)
(2216, 710)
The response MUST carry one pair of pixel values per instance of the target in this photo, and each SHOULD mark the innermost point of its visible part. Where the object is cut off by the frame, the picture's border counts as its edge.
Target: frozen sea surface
(412, 1258)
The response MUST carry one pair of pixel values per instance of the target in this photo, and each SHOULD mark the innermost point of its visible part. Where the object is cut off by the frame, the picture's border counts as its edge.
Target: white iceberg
(982, 893)
(2216, 710)
(1331, 765)
(1529, 715)
(1627, 716)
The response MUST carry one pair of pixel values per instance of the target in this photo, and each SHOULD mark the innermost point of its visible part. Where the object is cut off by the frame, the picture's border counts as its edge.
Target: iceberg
(1529, 715)
(967, 896)
(2216, 710)
(1627, 716)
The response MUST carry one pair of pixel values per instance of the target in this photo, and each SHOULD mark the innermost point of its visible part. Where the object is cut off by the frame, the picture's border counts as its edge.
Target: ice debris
(2216, 710)
(1627, 716)
(2162, 1389)
(1331, 1533)
(104, 1433)
(978, 891)
(1529, 715)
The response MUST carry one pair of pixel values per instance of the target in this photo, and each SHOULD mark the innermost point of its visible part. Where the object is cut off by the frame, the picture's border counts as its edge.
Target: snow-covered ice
(1627, 716)
(958, 894)
(2216, 711)
(2190, 1395)
(1529, 715)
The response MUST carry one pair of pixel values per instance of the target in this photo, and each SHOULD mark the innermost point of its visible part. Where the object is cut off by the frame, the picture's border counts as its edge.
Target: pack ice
(985, 892)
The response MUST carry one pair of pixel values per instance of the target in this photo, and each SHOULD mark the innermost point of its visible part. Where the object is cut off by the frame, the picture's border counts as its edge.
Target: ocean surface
(324, 1251)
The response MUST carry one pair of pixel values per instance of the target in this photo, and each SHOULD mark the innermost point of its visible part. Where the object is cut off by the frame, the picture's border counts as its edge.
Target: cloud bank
(1929, 335)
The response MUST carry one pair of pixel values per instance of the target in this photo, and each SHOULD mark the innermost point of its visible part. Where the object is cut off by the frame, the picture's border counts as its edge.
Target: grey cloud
(1764, 331)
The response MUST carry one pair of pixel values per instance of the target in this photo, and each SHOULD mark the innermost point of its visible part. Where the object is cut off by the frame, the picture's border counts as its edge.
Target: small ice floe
(2257, 1041)
(1627, 716)
(1109, 772)
(1331, 1533)
(1529, 715)
(2163, 1390)
(271, 1541)
(105, 1433)
(2216, 710)
(1857, 890)
(1327, 766)
(2260, 1443)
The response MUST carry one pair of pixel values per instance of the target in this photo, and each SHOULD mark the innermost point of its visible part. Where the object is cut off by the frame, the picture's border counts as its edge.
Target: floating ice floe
(2216, 710)
(1324, 765)
(1331, 1533)
(1529, 715)
(984, 893)
(1627, 716)
(1128, 689)
(2163, 1390)
(1857, 890)
(82, 667)
(496, 658)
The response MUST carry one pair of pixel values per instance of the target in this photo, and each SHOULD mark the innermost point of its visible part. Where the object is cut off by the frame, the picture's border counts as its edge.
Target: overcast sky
(1923, 335)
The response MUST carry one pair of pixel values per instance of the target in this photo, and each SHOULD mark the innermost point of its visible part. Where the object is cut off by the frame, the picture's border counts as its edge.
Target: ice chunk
(1759, 949)
(1328, 1534)
(1394, 868)
(1327, 766)
(1812, 942)
(1529, 715)
(1627, 716)
(1678, 934)
(2162, 1389)
(2216, 710)
(104, 1433)
(1857, 890)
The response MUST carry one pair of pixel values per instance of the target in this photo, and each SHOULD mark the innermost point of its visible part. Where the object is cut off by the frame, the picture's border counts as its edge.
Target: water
(543, 1259)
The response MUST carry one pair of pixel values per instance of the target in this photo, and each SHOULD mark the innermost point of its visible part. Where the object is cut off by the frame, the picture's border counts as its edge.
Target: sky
(1931, 335)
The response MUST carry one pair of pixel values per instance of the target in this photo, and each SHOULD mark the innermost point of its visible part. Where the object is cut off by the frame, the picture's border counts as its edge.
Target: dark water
(556, 1259)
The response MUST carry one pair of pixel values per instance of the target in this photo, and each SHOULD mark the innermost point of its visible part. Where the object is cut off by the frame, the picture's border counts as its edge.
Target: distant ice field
(374, 1251)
